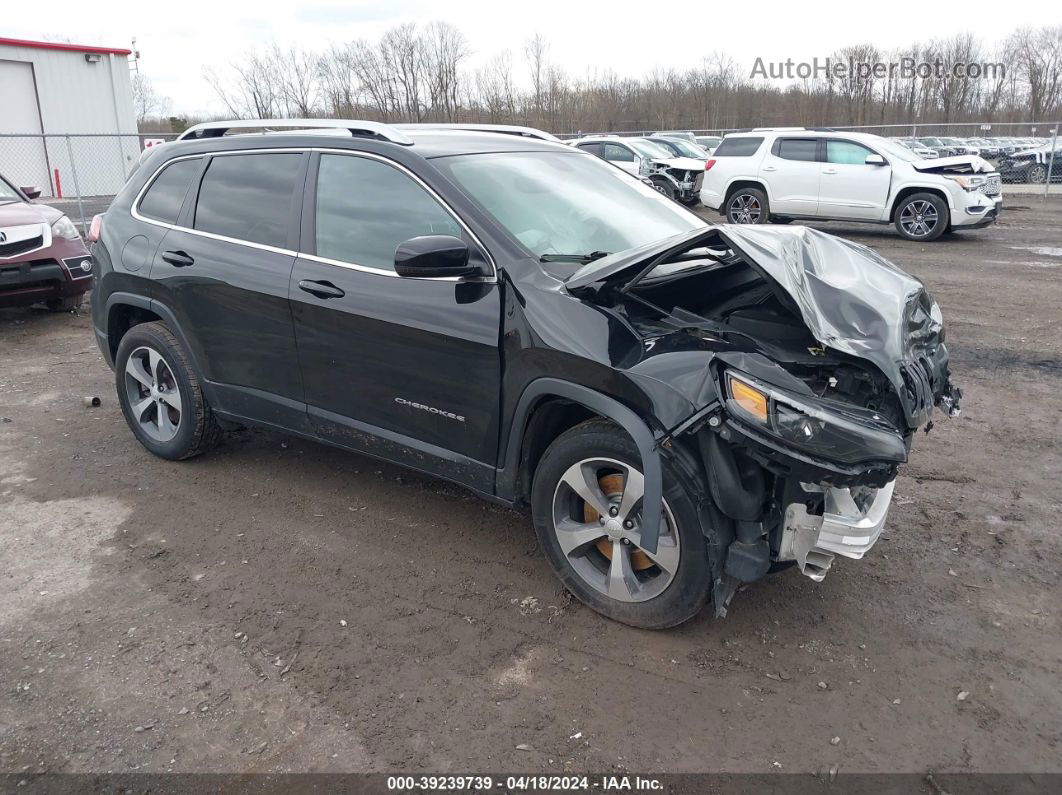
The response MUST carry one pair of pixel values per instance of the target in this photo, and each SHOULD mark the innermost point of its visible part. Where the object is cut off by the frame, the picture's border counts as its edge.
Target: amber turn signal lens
(750, 400)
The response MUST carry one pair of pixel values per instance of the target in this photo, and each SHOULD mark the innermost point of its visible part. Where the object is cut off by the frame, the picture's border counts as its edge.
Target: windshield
(649, 149)
(559, 203)
(687, 149)
(931, 141)
(8, 193)
(896, 150)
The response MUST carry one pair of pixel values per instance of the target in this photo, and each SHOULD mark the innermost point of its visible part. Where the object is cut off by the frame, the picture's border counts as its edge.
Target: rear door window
(738, 147)
(165, 196)
(798, 148)
(248, 197)
(594, 149)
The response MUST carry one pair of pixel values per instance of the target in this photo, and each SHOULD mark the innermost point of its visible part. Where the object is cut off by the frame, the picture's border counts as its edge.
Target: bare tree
(147, 102)
(420, 73)
(446, 49)
(535, 51)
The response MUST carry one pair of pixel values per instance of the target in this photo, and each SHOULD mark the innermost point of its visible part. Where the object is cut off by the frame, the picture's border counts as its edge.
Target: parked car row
(780, 175)
(989, 148)
(924, 187)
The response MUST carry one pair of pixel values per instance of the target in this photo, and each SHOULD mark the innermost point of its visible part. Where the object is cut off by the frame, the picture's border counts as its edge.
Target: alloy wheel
(745, 209)
(919, 218)
(1038, 175)
(597, 508)
(152, 393)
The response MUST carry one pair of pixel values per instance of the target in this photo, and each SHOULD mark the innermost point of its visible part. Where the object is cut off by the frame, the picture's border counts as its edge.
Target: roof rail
(778, 129)
(366, 129)
(504, 129)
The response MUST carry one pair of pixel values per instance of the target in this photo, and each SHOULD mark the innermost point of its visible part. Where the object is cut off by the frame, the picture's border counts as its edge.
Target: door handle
(178, 259)
(769, 168)
(829, 171)
(321, 289)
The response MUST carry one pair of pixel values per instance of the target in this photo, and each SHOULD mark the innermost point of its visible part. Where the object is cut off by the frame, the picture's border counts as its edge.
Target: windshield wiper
(580, 258)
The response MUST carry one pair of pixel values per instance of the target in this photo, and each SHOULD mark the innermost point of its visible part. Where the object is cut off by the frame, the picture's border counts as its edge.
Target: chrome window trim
(491, 279)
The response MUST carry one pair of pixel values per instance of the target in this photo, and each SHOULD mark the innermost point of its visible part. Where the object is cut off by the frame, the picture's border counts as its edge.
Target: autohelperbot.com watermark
(906, 68)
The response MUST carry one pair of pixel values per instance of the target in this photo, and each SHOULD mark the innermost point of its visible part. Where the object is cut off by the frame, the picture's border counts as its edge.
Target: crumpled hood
(978, 164)
(684, 163)
(851, 299)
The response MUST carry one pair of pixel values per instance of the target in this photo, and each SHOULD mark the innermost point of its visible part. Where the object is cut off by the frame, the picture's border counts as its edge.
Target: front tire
(1038, 174)
(922, 217)
(664, 187)
(161, 396)
(747, 206)
(586, 506)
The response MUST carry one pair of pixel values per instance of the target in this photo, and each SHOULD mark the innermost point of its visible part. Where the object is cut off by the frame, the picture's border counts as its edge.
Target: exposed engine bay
(822, 360)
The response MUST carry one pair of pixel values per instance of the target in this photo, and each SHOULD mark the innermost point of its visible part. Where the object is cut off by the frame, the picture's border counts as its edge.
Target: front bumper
(24, 283)
(845, 528)
(978, 211)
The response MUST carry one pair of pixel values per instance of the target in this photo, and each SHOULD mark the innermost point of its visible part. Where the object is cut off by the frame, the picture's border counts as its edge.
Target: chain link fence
(76, 173)
(81, 173)
(1041, 174)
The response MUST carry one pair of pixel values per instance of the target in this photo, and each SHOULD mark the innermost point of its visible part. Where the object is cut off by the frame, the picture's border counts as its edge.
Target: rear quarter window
(165, 196)
(738, 147)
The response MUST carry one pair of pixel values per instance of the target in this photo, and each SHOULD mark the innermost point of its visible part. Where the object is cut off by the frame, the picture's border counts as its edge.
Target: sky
(177, 40)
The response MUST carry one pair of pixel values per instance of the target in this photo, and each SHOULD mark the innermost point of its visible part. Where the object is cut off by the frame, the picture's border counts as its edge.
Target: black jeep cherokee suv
(684, 407)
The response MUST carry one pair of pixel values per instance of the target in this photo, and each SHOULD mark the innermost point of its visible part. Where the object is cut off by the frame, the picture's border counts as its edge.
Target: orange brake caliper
(612, 488)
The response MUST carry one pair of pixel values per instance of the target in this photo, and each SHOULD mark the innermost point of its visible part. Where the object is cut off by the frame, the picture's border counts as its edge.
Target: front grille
(21, 246)
(994, 185)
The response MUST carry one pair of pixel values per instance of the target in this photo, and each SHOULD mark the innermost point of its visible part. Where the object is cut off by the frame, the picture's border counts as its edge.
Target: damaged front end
(805, 362)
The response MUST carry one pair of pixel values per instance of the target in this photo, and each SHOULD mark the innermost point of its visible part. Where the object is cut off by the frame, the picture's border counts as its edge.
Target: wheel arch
(910, 190)
(743, 182)
(123, 311)
(566, 404)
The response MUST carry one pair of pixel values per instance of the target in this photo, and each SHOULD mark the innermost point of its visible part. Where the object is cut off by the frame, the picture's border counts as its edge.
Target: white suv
(779, 175)
(678, 178)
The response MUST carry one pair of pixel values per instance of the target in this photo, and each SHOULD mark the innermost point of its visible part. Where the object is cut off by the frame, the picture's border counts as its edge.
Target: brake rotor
(612, 488)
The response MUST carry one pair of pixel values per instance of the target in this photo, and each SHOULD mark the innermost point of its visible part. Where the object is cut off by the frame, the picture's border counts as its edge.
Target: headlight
(65, 229)
(970, 182)
(848, 434)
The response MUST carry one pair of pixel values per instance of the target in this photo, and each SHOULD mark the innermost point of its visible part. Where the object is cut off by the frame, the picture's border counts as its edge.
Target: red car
(42, 256)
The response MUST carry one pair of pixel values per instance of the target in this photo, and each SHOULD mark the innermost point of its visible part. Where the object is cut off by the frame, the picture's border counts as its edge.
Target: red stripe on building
(58, 45)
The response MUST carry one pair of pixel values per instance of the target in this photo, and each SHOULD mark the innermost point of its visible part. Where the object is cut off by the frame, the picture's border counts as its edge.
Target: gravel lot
(284, 606)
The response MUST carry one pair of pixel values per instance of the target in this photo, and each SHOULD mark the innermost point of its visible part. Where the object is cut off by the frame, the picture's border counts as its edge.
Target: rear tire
(161, 396)
(747, 206)
(922, 217)
(642, 590)
(1038, 174)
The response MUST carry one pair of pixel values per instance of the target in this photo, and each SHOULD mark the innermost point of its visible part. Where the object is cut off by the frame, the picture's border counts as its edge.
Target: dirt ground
(283, 606)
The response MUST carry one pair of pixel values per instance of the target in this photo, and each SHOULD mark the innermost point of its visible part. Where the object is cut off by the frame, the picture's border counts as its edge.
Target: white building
(51, 90)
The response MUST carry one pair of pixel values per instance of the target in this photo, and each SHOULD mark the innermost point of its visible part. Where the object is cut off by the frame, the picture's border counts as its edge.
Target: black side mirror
(433, 256)
(31, 192)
